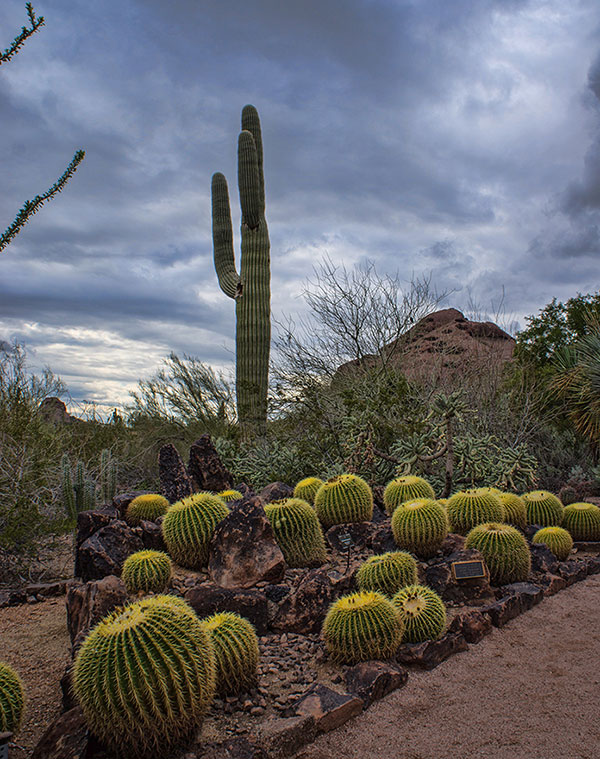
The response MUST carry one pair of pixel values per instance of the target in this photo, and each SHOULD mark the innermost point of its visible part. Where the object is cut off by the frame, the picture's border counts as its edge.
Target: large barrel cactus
(145, 677)
(298, 532)
(146, 572)
(307, 489)
(236, 651)
(345, 498)
(515, 512)
(504, 549)
(422, 612)
(362, 626)
(557, 540)
(420, 526)
(188, 527)
(387, 572)
(471, 507)
(543, 508)
(12, 699)
(403, 489)
(582, 520)
(148, 507)
(251, 288)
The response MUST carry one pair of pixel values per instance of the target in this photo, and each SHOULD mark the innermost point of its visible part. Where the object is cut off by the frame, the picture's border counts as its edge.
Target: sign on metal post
(346, 542)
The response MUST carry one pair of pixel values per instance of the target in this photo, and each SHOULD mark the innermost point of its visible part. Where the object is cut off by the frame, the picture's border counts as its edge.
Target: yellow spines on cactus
(230, 495)
(345, 498)
(403, 489)
(236, 652)
(582, 520)
(146, 572)
(504, 550)
(387, 572)
(307, 489)
(188, 527)
(420, 526)
(146, 507)
(474, 506)
(298, 532)
(422, 612)
(558, 540)
(543, 508)
(362, 626)
(515, 512)
(145, 677)
(12, 699)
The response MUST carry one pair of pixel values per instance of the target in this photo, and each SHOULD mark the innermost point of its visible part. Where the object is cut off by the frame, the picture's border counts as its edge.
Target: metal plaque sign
(469, 570)
(345, 539)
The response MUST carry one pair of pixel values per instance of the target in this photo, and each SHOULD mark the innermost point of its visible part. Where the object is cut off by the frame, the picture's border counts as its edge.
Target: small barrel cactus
(387, 572)
(420, 526)
(504, 550)
(515, 512)
(471, 507)
(297, 531)
(559, 541)
(230, 495)
(582, 520)
(422, 612)
(146, 572)
(12, 699)
(543, 508)
(345, 498)
(307, 489)
(188, 527)
(403, 489)
(145, 677)
(236, 651)
(146, 507)
(362, 626)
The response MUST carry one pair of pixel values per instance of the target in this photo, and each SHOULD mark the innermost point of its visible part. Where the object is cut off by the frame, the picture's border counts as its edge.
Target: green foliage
(471, 507)
(12, 699)
(558, 540)
(515, 512)
(145, 677)
(236, 652)
(344, 498)
(148, 507)
(404, 489)
(582, 520)
(387, 572)
(307, 488)
(504, 549)
(422, 612)
(188, 527)
(361, 626)
(147, 572)
(543, 508)
(297, 531)
(265, 461)
(420, 526)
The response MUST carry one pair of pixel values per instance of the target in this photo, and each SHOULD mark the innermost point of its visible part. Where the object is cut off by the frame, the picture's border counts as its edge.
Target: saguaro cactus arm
(222, 230)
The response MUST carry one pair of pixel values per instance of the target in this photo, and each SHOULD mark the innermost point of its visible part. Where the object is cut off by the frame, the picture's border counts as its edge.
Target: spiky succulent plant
(345, 498)
(387, 572)
(146, 572)
(543, 508)
(558, 540)
(236, 651)
(582, 520)
(307, 489)
(471, 507)
(12, 699)
(422, 612)
(403, 489)
(362, 626)
(145, 677)
(515, 512)
(146, 507)
(230, 495)
(297, 531)
(420, 526)
(188, 527)
(504, 550)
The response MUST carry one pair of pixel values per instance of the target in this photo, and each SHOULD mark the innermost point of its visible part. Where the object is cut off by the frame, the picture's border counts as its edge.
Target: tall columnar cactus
(471, 507)
(420, 526)
(515, 512)
(251, 288)
(298, 532)
(557, 540)
(146, 572)
(148, 507)
(422, 612)
(188, 527)
(108, 476)
(78, 494)
(543, 508)
(145, 677)
(307, 489)
(387, 572)
(344, 498)
(236, 651)
(403, 489)
(12, 699)
(582, 520)
(504, 549)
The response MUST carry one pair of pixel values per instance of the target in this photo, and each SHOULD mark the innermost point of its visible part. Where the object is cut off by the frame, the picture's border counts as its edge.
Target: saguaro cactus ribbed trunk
(251, 288)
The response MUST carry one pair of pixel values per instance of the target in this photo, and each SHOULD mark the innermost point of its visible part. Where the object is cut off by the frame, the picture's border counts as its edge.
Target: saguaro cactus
(251, 288)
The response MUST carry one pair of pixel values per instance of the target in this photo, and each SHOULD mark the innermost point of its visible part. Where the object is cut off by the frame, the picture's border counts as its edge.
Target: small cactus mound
(146, 507)
(145, 677)
(297, 531)
(422, 612)
(189, 525)
(582, 520)
(230, 495)
(471, 507)
(236, 652)
(146, 572)
(307, 488)
(515, 512)
(443, 502)
(345, 498)
(387, 573)
(403, 489)
(420, 526)
(557, 540)
(543, 508)
(362, 626)
(504, 550)
(12, 699)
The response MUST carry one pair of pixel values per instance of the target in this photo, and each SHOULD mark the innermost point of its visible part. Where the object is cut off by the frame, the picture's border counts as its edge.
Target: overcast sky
(457, 138)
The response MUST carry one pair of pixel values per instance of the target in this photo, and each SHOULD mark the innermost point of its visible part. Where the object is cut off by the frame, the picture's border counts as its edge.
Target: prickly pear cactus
(230, 495)
(471, 507)
(298, 532)
(236, 652)
(557, 540)
(504, 550)
(362, 626)
(146, 572)
(515, 512)
(420, 526)
(403, 489)
(188, 527)
(422, 611)
(145, 677)
(12, 699)
(307, 489)
(543, 508)
(582, 520)
(345, 498)
(146, 507)
(387, 572)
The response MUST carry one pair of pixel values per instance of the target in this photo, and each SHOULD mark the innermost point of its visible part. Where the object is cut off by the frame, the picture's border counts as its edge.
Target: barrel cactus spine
(515, 512)
(146, 572)
(543, 508)
(558, 540)
(307, 489)
(298, 532)
(420, 526)
(582, 520)
(403, 489)
(387, 572)
(149, 507)
(422, 612)
(504, 550)
(12, 699)
(236, 652)
(189, 525)
(344, 498)
(474, 506)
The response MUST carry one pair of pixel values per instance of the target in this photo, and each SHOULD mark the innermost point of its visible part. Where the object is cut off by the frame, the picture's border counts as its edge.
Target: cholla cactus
(78, 494)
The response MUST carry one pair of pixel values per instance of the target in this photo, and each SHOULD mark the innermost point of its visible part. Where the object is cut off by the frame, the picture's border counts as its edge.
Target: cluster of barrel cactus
(515, 512)
(420, 526)
(188, 527)
(307, 489)
(582, 520)
(387, 572)
(504, 549)
(344, 498)
(543, 508)
(469, 508)
(297, 531)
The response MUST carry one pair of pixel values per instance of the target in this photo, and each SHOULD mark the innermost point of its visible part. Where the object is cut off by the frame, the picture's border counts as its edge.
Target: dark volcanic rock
(209, 599)
(122, 501)
(382, 539)
(431, 653)
(572, 571)
(12, 597)
(89, 522)
(505, 609)
(552, 584)
(151, 535)
(175, 483)
(234, 748)
(275, 491)
(104, 552)
(453, 543)
(438, 575)
(361, 533)
(542, 559)
(473, 625)
(206, 468)
(530, 594)
(89, 602)
(329, 708)
(372, 680)
(48, 589)
(65, 738)
(280, 737)
(69, 700)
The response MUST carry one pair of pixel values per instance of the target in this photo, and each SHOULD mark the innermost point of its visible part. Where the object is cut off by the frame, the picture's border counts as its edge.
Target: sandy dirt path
(528, 691)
